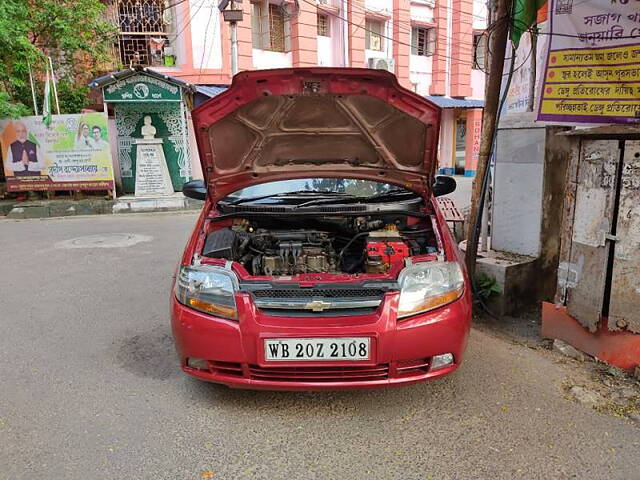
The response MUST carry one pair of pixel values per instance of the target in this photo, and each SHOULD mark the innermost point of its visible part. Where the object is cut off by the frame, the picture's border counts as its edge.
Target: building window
(276, 28)
(479, 51)
(268, 27)
(323, 26)
(423, 41)
(373, 35)
(257, 26)
(144, 27)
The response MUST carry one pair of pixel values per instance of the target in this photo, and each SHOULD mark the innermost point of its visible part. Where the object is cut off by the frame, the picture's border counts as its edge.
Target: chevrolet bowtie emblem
(317, 305)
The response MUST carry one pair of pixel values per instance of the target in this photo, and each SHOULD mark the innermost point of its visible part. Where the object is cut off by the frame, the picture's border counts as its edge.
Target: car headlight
(428, 285)
(208, 289)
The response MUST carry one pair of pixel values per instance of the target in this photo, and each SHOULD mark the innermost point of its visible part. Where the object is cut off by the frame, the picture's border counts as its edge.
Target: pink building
(434, 47)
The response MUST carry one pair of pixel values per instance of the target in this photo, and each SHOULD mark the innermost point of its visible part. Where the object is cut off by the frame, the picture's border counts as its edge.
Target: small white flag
(46, 107)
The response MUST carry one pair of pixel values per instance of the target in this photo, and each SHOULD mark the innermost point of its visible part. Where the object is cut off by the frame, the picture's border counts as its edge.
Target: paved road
(91, 388)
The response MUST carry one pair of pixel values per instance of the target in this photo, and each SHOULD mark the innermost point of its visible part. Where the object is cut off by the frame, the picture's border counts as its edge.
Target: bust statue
(148, 131)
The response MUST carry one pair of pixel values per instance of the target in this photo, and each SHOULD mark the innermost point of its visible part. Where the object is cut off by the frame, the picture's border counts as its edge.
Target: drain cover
(104, 240)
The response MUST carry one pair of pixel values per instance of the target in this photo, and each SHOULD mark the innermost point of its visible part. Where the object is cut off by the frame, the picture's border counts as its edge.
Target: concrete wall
(474, 131)
(196, 166)
(518, 185)
(445, 145)
(263, 59)
(206, 48)
(113, 145)
(529, 191)
(478, 78)
(325, 52)
(304, 36)
(557, 155)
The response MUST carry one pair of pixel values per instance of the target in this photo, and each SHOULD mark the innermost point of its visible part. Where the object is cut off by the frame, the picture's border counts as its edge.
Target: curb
(67, 208)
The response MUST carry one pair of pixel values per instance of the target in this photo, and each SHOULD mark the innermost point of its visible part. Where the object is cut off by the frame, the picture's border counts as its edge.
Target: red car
(320, 259)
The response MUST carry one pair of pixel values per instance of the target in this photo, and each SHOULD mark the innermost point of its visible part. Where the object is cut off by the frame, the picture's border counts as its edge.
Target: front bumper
(400, 355)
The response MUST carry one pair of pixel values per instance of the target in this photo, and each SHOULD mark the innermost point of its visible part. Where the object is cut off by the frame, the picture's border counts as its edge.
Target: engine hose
(344, 249)
(409, 232)
(255, 250)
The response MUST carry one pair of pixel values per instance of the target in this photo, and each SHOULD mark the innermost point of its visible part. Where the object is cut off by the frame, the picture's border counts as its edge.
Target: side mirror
(195, 189)
(444, 185)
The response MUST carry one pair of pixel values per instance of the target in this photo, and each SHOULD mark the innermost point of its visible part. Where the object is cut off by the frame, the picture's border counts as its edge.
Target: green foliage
(486, 286)
(73, 96)
(360, 188)
(75, 33)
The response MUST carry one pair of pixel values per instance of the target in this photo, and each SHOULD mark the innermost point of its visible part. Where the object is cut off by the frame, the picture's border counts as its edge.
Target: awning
(447, 102)
(122, 74)
(143, 85)
(205, 92)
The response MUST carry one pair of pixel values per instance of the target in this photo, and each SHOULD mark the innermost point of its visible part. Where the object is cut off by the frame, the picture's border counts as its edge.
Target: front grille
(317, 374)
(320, 374)
(226, 368)
(318, 301)
(304, 313)
(319, 293)
(413, 367)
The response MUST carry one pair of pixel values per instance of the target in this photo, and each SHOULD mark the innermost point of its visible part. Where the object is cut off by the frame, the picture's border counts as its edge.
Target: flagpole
(46, 105)
(55, 89)
(33, 90)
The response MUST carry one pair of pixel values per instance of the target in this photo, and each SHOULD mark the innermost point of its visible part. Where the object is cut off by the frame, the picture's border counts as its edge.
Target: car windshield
(310, 186)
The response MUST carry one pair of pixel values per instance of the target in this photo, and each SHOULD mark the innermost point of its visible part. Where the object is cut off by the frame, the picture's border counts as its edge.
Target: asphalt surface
(91, 387)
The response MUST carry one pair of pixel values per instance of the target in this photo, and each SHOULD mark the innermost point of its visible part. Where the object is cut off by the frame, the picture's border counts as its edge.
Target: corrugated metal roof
(115, 76)
(211, 90)
(448, 102)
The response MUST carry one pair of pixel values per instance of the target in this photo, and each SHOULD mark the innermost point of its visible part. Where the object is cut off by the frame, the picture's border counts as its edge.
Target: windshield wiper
(286, 194)
(353, 199)
(394, 192)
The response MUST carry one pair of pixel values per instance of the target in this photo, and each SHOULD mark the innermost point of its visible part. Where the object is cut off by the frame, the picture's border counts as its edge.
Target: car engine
(289, 252)
(364, 246)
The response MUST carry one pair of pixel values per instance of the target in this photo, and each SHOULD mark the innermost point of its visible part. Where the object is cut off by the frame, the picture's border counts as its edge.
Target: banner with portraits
(73, 153)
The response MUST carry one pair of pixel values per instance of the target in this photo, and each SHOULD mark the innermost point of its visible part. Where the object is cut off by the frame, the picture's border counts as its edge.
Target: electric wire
(361, 8)
(191, 17)
(399, 42)
(174, 4)
(362, 5)
(408, 28)
(204, 43)
(485, 184)
(282, 6)
(390, 39)
(487, 31)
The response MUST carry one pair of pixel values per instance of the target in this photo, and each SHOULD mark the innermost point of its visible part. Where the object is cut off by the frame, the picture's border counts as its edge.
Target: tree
(361, 188)
(74, 33)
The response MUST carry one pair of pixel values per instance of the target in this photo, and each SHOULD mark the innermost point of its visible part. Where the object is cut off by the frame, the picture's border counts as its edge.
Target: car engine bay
(364, 244)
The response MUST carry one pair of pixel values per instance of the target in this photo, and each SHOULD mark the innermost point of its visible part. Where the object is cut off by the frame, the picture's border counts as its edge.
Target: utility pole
(532, 73)
(233, 16)
(55, 89)
(234, 42)
(499, 30)
(33, 90)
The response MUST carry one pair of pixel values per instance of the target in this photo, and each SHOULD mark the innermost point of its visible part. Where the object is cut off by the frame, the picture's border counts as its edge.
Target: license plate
(316, 349)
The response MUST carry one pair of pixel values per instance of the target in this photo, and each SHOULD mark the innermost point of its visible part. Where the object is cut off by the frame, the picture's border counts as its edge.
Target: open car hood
(316, 122)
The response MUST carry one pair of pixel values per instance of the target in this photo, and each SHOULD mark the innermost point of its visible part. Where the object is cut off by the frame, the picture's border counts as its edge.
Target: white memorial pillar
(152, 172)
